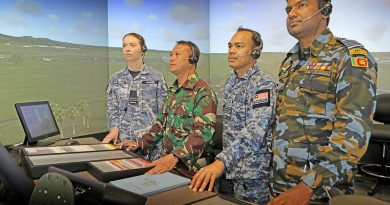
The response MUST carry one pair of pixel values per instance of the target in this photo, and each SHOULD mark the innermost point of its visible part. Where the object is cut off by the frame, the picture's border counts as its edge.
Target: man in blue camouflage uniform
(134, 95)
(324, 109)
(248, 106)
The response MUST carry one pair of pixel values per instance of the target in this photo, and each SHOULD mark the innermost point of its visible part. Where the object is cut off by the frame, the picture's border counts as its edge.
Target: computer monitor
(37, 120)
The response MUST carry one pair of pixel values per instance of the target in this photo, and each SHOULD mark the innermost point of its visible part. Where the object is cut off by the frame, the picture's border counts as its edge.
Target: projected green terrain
(74, 78)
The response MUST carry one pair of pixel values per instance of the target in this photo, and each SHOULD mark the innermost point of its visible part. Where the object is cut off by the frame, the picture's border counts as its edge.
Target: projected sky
(81, 22)
(209, 23)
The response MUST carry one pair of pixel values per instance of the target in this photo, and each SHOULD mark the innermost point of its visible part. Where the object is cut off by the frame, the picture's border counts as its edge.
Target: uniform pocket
(317, 90)
(121, 90)
(149, 96)
(183, 125)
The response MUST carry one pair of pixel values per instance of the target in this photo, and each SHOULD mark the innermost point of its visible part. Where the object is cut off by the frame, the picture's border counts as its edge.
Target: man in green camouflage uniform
(187, 121)
(324, 109)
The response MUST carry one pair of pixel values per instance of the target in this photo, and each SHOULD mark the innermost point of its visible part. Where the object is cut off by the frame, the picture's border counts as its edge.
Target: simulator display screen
(39, 120)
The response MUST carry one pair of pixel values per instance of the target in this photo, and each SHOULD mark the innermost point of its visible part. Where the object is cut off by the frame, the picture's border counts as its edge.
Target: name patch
(319, 72)
(149, 82)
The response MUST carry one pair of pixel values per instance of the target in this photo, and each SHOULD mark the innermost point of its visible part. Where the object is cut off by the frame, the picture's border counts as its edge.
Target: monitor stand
(39, 143)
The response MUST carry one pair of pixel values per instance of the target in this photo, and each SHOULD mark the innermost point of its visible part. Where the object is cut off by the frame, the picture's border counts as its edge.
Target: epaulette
(350, 44)
(357, 51)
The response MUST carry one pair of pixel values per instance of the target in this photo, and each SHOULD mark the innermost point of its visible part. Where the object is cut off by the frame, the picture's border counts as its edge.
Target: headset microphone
(308, 18)
(244, 55)
(254, 55)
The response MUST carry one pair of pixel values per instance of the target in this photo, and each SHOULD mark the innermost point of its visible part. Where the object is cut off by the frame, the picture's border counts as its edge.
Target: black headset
(256, 37)
(144, 48)
(258, 45)
(193, 59)
(326, 7)
(141, 40)
(256, 53)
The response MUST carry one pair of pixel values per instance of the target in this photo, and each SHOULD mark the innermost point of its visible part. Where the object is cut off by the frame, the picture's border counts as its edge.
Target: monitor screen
(37, 120)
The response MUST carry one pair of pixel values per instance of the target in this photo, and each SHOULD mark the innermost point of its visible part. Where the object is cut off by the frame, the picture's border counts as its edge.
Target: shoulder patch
(360, 62)
(358, 51)
(262, 98)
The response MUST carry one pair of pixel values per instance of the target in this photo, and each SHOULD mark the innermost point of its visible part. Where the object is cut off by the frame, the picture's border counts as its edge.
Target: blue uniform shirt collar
(144, 71)
(252, 70)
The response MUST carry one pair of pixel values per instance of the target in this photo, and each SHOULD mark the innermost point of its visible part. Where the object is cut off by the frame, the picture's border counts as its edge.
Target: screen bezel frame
(22, 119)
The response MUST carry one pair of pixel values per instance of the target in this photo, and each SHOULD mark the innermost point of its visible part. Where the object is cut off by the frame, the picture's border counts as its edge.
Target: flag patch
(359, 62)
(261, 98)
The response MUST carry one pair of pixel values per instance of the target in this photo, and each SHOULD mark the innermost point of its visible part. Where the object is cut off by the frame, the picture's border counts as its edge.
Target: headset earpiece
(256, 53)
(144, 48)
(326, 9)
(192, 59)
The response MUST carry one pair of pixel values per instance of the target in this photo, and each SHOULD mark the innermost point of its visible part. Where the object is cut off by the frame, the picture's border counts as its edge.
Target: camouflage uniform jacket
(186, 124)
(324, 110)
(248, 109)
(133, 104)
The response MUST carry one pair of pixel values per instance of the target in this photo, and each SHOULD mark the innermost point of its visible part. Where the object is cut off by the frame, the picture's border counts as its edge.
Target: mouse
(72, 142)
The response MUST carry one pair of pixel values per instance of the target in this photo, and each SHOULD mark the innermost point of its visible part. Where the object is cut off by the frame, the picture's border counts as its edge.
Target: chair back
(13, 176)
(53, 188)
(382, 111)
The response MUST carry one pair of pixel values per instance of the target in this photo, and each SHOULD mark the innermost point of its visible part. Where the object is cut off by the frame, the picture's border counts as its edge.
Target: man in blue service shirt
(248, 107)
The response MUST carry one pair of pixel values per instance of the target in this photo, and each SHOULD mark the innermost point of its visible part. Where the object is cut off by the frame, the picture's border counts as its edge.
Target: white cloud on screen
(238, 6)
(135, 27)
(167, 34)
(185, 13)
(53, 17)
(375, 32)
(152, 17)
(232, 25)
(202, 33)
(12, 20)
(81, 26)
(116, 31)
(87, 14)
(28, 7)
